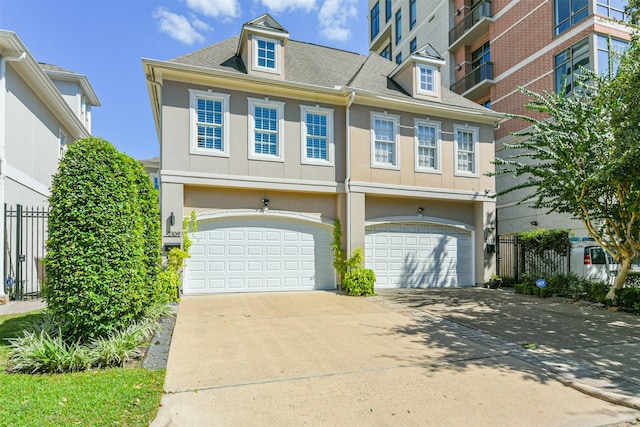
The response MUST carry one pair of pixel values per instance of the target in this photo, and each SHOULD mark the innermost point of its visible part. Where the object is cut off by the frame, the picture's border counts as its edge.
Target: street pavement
(444, 357)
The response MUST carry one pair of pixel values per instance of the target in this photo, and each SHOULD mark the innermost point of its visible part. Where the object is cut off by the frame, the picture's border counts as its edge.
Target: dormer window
(266, 54)
(427, 81)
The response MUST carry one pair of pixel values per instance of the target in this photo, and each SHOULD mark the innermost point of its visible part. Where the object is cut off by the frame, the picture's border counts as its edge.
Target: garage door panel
(419, 255)
(259, 254)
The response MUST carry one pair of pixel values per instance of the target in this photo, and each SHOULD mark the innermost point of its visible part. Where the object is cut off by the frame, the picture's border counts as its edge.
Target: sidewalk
(17, 307)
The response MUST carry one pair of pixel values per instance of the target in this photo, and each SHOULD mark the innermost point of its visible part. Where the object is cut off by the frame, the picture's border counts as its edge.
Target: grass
(109, 397)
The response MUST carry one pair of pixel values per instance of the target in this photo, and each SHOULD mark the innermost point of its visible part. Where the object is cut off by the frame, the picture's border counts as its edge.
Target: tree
(96, 262)
(582, 159)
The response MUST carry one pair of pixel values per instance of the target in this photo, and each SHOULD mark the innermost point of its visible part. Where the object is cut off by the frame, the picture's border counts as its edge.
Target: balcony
(475, 84)
(473, 26)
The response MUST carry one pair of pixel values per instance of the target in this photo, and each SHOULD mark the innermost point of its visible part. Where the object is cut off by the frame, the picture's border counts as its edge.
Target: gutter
(347, 181)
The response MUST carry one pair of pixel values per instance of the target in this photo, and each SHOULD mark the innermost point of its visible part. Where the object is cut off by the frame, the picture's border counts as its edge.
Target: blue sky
(106, 39)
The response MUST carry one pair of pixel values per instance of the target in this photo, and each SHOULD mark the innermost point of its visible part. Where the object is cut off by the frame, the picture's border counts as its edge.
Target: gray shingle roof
(321, 66)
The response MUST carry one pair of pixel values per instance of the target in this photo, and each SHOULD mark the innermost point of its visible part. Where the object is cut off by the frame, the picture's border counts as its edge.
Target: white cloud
(177, 26)
(201, 25)
(334, 17)
(216, 8)
(278, 6)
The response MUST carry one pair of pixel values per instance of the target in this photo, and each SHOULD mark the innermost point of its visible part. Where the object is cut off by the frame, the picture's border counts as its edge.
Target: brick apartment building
(493, 47)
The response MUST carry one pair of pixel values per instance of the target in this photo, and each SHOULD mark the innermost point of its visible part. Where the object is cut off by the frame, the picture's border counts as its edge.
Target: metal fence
(24, 250)
(514, 262)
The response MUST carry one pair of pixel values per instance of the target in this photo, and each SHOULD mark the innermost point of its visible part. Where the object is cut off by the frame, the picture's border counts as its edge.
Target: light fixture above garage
(420, 212)
(265, 205)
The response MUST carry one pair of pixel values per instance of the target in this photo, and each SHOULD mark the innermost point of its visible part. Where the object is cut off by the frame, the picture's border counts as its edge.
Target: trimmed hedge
(101, 246)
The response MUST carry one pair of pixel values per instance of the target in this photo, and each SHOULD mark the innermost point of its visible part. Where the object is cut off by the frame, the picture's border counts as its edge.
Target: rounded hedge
(98, 267)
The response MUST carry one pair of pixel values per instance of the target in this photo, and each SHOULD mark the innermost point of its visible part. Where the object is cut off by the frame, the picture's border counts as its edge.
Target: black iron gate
(514, 262)
(24, 250)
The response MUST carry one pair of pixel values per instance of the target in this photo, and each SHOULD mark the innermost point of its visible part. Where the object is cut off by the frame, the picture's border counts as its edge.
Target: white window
(209, 115)
(384, 140)
(266, 54)
(427, 141)
(266, 129)
(317, 134)
(466, 150)
(62, 143)
(427, 80)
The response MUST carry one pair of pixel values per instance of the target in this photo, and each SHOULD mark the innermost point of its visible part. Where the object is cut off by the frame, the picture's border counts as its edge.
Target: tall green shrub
(149, 210)
(96, 270)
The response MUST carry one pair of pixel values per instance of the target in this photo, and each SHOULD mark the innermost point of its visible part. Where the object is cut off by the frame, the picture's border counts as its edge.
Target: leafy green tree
(582, 158)
(96, 262)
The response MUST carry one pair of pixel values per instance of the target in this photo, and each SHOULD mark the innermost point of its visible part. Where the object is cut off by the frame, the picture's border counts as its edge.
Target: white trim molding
(421, 192)
(425, 219)
(330, 146)
(475, 132)
(395, 120)
(276, 52)
(279, 120)
(223, 98)
(437, 126)
(258, 213)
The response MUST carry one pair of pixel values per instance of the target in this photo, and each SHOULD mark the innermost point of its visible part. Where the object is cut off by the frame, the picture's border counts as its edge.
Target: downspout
(3, 160)
(347, 181)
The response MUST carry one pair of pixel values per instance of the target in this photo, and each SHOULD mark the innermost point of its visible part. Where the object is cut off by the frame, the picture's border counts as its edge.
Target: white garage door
(266, 253)
(412, 255)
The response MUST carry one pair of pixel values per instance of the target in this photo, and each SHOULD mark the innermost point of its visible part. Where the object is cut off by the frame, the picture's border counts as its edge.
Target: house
(42, 109)
(492, 48)
(270, 140)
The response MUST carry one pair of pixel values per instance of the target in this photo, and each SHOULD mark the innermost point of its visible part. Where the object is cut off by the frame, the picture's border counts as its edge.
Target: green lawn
(111, 397)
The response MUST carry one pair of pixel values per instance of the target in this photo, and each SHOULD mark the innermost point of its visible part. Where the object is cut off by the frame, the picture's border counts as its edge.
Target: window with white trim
(384, 138)
(466, 150)
(209, 116)
(427, 79)
(427, 141)
(266, 54)
(266, 129)
(317, 134)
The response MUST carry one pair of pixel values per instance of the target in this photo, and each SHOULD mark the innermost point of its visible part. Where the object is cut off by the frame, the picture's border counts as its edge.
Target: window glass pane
(317, 139)
(375, 20)
(384, 134)
(427, 148)
(398, 26)
(266, 130)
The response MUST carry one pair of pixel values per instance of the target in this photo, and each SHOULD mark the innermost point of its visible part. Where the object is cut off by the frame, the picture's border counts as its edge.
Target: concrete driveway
(319, 358)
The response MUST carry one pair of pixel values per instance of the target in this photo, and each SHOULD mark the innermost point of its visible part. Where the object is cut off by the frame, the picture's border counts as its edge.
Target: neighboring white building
(42, 109)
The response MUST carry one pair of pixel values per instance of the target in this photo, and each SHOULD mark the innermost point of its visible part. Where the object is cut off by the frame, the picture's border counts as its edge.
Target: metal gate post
(19, 258)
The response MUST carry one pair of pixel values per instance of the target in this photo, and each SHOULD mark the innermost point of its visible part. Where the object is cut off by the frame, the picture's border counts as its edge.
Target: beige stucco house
(270, 140)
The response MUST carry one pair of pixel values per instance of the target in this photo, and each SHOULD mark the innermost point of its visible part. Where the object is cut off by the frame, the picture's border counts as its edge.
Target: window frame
(412, 14)
(399, 58)
(426, 67)
(413, 46)
(476, 150)
(398, 26)
(328, 112)
(395, 119)
(276, 46)
(386, 52)
(571, 63)
(572, 19)
(387, 11)
(616, 43)
(268, 103)
(194, 95)
(606, 5)
(437, 126)
(375, 11)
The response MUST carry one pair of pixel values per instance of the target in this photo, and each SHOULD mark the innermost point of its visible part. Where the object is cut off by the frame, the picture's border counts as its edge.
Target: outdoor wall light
(172, 219)
(492, 226)
(534, 223)
(265, 205)
(420, 211)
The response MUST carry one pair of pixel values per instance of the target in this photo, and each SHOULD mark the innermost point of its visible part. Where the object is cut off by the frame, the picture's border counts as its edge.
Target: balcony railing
(476, 76)
(482, 10)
